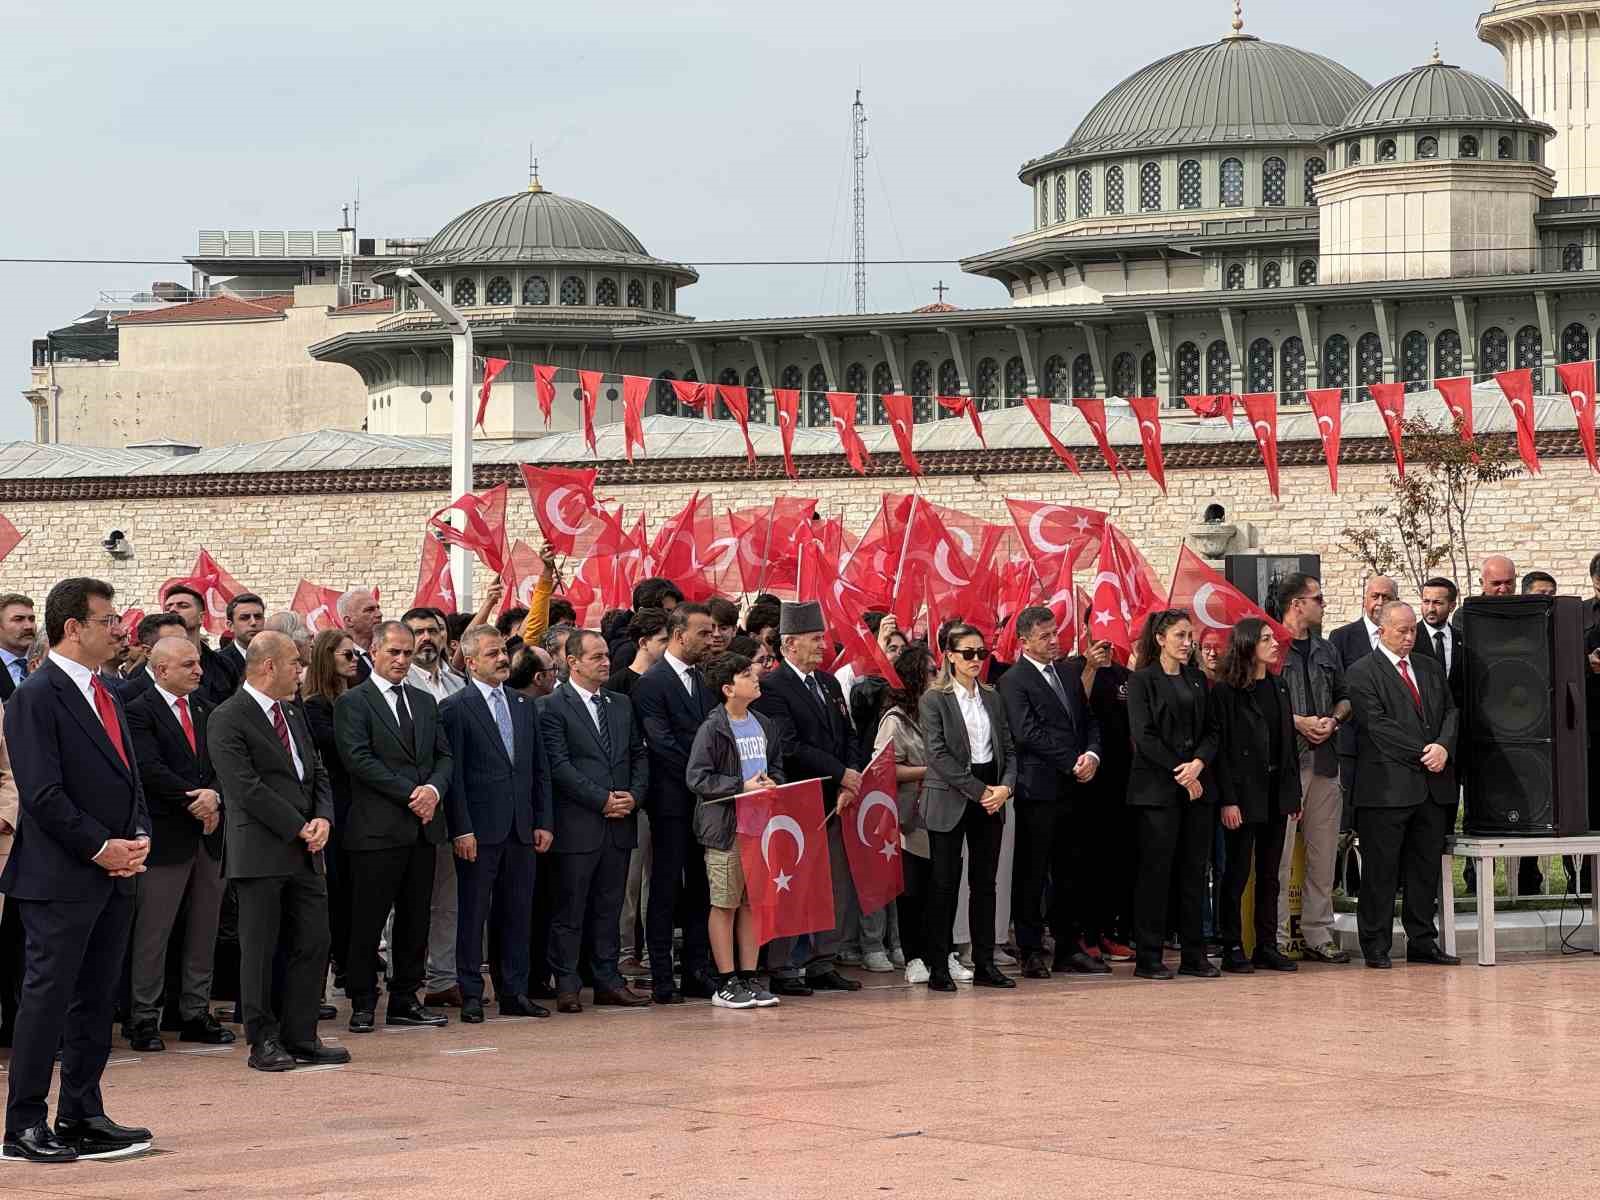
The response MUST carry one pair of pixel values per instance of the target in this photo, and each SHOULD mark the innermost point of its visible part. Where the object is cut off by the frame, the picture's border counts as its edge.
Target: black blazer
(169, 770)
(1242, 769)
(384, 770)
(669, 717)
(1163, 741)
(492, 797)
(74, 792)
(1391, 733)
(818, 742)
(1352, 643)
(1457, 678)
(1049, 736)
(582, 774)
(8, 686)
(233, 657)
(219, 679)
(265, 804)
(318, 711)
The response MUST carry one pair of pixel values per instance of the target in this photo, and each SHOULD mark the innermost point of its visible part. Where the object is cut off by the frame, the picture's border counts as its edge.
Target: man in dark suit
(1405, 787)
(1057, 741)
(359, 613)
(397, 757)
(499, 813)
(17, 631)
(185, 863)
(219, 679)
(247, 616)
(671, 702)
(152, 628)
(599, 769)
(1438, 638)
(278, 812)
(83, 833)
(807, 705)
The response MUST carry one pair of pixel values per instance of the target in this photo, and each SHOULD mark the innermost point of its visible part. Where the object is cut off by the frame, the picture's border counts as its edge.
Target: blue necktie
(502, 718)
(601, 726)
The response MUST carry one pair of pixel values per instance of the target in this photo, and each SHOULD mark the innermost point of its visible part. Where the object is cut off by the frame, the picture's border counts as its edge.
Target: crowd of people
(395, 809)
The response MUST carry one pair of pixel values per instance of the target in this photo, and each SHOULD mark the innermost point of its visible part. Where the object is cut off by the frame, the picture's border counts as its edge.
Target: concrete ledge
(1516, 931)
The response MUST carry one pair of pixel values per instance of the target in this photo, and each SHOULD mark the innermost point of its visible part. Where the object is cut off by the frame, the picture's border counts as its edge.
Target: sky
(714, 131)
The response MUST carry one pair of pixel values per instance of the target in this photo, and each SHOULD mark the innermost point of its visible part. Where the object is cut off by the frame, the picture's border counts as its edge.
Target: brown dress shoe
(449, 998)
(622, 997)
(567, 1002)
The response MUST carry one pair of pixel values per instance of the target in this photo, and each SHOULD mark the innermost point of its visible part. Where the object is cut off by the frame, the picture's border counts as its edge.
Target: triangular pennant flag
(1147, 411)
(690, 393)
(965, 404)
(1518, 388)
(1327, 405)
(1219, 405)
(635, 394)
(1094, 412)
(1578, 380)
(901, 413)
(842, 407)
(737, 401)
(1039, 408)
(589, 394)
(1457, 395)
(787, 403)
(1261, 410)
(491, 368)
(544, 387)
(1391, 401)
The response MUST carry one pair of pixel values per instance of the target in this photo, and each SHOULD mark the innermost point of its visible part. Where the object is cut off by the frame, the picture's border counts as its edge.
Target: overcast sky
(714, 131)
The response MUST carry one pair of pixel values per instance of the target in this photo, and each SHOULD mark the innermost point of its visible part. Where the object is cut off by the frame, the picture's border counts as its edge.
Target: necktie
(816, 693)
(402, 714)
(1054, 681)
(1438, 640)
(106, 708)
(1405, 673)
(281, 728)
(188, 726)
(602, 727)
(697, 687)
(21, 664)
(502, 718)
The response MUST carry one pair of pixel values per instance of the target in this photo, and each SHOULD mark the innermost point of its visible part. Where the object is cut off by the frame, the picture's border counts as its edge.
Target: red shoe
(1092, 951)
(1116, 951)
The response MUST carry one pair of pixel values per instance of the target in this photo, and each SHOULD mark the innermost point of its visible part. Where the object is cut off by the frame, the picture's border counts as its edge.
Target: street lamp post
(460, 422)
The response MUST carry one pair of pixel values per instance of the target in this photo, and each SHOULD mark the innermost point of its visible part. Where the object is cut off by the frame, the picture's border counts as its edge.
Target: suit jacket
(384, 769)
(669, 717)
(265, 803)
(1165, 737)
(1352, 642)
(74, 791)
(136, 685)
(218, 678)
(582, 774)
(1049, 735)
(1391, 733)
(491, 796)
(7, 685)
(1243, 766)
(169, 770)
(1457, 677)
(233, 657)
(950, 784)
(818, 742)
(8, 797)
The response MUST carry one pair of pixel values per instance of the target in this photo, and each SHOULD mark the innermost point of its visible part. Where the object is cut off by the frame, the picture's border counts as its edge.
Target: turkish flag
(1261, 410)
(842, 408)
(898, 408)
(1122, 592)
(491, 368)
(787, 403)
(130, 620)
(1147, 411)
(929, 556)
(1391, 401)
(1016, 592)
(209, 579)
(677, 553)
(690, 393)
(521, 574)
(1094, 412)
(9, 537)
(1518, 387)
(737, 401)
(1220, 405)
(871, 834)
(1457, 395)
(783, 847)
(318, 606)
(1062, 605)
(589, 394)
(767, 542)
(965, 404)
(435, 588)
(1039, 408)
(1215, 603)
(1578, 380)
(635, 394)
(562, 497)
(1051, 532)
(544, 387)
(485, 532)
(1327, 404)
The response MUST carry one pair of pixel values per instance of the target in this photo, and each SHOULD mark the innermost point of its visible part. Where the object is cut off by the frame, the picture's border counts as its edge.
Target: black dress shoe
(541, 991)
(1204, 969)
(1380, 962)
(99, 1135)
(207, 1031)
(989, 975)
(1153, 971)
(362, 1020)
(1236, 962)
(676, 997)
(1082, 964)
(698, 987)
(832, 981)
(941, 983)
(326, 1012)
(38, 1144)
(409, 1012)
(1034, 967)
(316, 1054)
(270, 1055)
(786, 985)
(521, 1006)
(472, 1011)
(1270, 958)
(1431, 954)
(146, 1038)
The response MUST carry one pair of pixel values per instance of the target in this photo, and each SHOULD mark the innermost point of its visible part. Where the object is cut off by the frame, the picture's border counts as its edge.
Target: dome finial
(533, 172)
(1238, 17)
(1436, 61)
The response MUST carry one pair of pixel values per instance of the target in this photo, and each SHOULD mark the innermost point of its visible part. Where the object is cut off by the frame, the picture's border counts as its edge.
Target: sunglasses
(971, 654)
(347, 655)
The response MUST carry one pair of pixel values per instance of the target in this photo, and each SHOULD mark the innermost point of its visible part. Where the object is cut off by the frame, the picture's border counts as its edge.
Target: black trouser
(981, 833)
(1260, 843)
(679, 896)
(912, 907)
(296, 905)
(498, 888)
(1041, 856)
(73, 958)
(1172, 836)
(340, 895)
(1400, 846)
(398, 877)
(588, 916)
(1092, 833)
(10, 969)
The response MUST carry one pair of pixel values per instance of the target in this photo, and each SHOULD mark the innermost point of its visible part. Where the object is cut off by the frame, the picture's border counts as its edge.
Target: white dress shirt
(266, 702)
(448, 682)
(1372, 631)
(1396, 660)
(171, 702)
(389, 689)
(980, 736)
(683, 669)
(1048, 669)
(81, 676)
(587, 699)
(488, 693)
(1428, 631)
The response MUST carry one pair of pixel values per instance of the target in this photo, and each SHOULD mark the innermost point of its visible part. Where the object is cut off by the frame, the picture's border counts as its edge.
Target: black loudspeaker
(1524, 732)
(1257, 575)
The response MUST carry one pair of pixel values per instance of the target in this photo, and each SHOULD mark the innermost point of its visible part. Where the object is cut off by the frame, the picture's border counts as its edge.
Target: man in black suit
(599, 769)
(397, 757)
(17, 631)
(807, 705)
(359, 613)
(671, 702)
(1405, 788)
(499, 813)
(83, 834)
(1438, 638)
(185, 863)
(152, 628)
(278, 812)
(219, 680)
(1057, 741)
(247, 616)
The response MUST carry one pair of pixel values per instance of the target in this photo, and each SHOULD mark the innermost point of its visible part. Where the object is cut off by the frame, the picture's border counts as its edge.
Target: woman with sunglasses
(1174, 741)
(1257, 776)
(332, 672)
(971, 772)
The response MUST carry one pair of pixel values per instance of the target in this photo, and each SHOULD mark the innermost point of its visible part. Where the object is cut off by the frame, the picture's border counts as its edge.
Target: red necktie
(282, 729)
(1405, 673)
(106, 707)
(188, 726)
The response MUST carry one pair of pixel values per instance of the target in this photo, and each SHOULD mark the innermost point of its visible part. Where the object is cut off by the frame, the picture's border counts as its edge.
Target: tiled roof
(381, 305)
(215, 308)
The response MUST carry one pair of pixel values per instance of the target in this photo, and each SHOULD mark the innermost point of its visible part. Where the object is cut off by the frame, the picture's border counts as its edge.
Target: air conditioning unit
(361, 292)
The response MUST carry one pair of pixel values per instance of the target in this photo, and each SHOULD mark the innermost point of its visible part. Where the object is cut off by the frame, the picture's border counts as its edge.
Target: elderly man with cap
(808, 707)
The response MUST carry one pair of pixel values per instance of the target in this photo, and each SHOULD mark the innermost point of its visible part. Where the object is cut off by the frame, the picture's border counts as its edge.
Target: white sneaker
(762, 997)
(733, 994)
(958, 972)
(916, 972)
(877, 962)
(897, 956)
(1003, 959)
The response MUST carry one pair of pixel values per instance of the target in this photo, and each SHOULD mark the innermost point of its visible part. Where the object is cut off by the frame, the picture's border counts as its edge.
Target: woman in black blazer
(972, 770)
(1174, 741)
(1257, 778)
(331, 673)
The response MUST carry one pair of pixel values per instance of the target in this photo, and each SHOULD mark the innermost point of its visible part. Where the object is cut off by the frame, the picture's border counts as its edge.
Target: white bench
(1486, 850)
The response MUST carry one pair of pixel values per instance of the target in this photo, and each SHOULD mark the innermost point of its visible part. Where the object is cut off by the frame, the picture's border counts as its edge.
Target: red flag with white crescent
(589, 395)
(1094, 412)
(435, 584)
(485, 526)
(1457, 395)
(898, 408)
(1578, 380)
(544, 387)
(966, 404)
(1261, 410)
(318, 606)
(787, 403)
(783, 847)
(562, 498)
(871, 835)
(214, 583)
(1219, 405)
(1215, 603)
(736, 400)
(1327, 405)
(690, 393)
(1518, 388)
(522, 571)
(1147, 411)
(842, 408)
(1391, 401)
(635, 394)
(1053, 532)
(491, 368)
(1016, 593)
(1039, 408)
(1111, 616)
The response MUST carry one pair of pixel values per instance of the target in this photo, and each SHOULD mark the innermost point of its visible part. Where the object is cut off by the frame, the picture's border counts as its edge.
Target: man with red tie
(83, 833)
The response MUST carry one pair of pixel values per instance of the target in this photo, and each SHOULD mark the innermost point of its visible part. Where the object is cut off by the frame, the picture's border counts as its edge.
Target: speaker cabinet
(1524, 730)
(1257, 575)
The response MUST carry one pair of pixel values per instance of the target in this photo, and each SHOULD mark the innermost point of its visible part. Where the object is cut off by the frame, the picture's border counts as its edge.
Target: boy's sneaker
(733, 994)
(897, 956)
(959, 971)
(877, 962)
(916, 971)
(759, 994)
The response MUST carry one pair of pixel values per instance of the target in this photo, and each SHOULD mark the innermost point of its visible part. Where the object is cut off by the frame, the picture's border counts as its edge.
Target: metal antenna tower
(858, 152)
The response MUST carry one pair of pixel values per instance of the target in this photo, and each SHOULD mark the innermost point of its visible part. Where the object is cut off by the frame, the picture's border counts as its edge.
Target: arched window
(498, 291)
(1292, 370)
(1315, 166)
(635, 294)
(922, 404)
(1016, 380)
(437, 285)
(757, 395)
(729, 376)
(1258, 366)
(1491, 351)
(1061, 197)
(1414, 361)
(1530, 350)
(1447, 354)
(1042, 187)
(882, 384)
(411, 302)
(793, 378)
(1219, 367)
(1352, 154)
(666, 398)
(855, 380)
(986, 384)
(817, 413)
(1306, 273)
(1055, 375)
(1187, 359)
(1230, 183)
(656, 294)
(1387, 151)
(1572, 257)
(1233, 278)
(572, 290)
(1533, 150)
(605, 293)
(1503, 148)
(1274, 182)
(1189, 183)
(536, 290)
(949, 383)
(1147, 374)
(1085, 193)
(1083, 375)
(1123, 369)
(1114, 195)
(1575, 343)
(1271, 273)
(1467, 146)
(1150, 187)
(1336, 361)
(1369, 362)
(1428, 147)
(465, 294)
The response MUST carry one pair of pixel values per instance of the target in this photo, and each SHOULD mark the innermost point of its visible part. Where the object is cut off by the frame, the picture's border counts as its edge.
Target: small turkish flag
(563, 499)
(1326, 405)
(1039, 408)
(899, 409)
(690, 393)
(214, 583)
(491, 368)
(544, 387)
(1147, 410)
(318, 605)
(635, 391)
(1518, 388)
(1261, 410)
(736, 400)
(871, 832)
(1457, 395)
(589, 395)
(842, 407)
(965, 404)
(485, 526)
(1578, 379)
(783, 847)
(1391, 401)
(435, 586)
(787, 402)
(1220, 405)
(1094, 412)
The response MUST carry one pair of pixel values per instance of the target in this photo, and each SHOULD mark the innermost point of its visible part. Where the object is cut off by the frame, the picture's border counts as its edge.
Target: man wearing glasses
(1317, 692)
